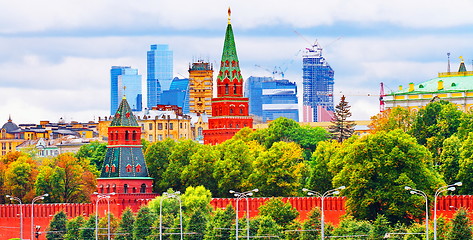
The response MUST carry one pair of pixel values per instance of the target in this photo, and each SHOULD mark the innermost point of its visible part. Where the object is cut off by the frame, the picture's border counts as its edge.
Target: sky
(56, 55)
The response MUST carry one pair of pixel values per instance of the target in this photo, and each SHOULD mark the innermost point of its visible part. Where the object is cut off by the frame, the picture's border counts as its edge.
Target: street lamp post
(423, 194)
(322, 197)
(21, 213)
(32, 211)
(240, 195)
(169, 195)
(99, 197)
(450, 187)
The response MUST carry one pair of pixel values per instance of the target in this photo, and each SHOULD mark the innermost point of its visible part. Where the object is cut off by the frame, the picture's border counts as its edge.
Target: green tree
(219, 225)
(349, 226)
(196, 226)
(125, 227)
(73, 228)
(461, 226)
(449, 165)
(200, 169)
(375, 170)
(381, 226)
(233, 167)
(282, 213)
(288, 130)
(278, 171)
(265, 227)
(57, 226)
(434, 123)
(179, 158)
(157, 160)
(465, 171)
(103, 226)
(320, 176)
(143, 223)
(341, 127)
(312, 226)
(94, 152)
(87, 232)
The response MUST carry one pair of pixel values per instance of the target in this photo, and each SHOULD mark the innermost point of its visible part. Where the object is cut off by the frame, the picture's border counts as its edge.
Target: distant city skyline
(55, 56)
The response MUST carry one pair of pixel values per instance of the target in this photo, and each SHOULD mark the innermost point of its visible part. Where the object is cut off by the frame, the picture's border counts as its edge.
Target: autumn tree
(377, 167)
(66, 179)
(391, 119)
(278, 171)
(19, 178)
(341, 127)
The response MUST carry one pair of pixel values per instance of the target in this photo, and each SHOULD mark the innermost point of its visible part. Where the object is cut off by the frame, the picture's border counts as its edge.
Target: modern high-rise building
(125, 81)
(160, 71)
(230, 107)
(178, 94)
(270, 99)
(317, 80)
(201, 87)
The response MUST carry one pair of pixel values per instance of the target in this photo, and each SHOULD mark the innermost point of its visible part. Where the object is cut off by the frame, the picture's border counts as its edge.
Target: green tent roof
(124, 116)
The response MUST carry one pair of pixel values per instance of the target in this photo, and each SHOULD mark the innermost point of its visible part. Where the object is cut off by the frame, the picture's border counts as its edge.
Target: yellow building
(200, 88)
(10, 137)
(455, 87)
(156, 126)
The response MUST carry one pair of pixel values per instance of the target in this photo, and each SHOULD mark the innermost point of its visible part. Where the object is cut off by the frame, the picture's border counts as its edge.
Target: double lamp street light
(450, 187)
(240, 195)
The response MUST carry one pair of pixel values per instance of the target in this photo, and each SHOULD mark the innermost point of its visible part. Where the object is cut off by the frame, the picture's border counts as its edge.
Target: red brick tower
(124, 172)
(229, 108)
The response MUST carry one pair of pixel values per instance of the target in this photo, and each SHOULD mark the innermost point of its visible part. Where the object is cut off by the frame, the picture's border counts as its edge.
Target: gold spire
(124, 95)
(461, 58)
(229, 15)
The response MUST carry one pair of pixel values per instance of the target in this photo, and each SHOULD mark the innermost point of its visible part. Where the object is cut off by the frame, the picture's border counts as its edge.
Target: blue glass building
(270, 99)
(178, 94)
(125, 81)
(317, 81)
(160, 71)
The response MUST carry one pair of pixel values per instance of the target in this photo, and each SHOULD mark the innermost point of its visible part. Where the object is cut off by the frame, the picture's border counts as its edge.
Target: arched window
(108, 188)
(101, 188)
(133, 136)
(143, 188)
(138, 168)
(114, 168)
(127, 135)
(129, 168)
(234, 88)
(125, 188)
(107, 168)
(226, 88)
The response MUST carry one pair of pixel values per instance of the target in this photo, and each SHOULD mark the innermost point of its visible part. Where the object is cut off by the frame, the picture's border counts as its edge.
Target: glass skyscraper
(125, 81)
(160, 71)
(317, 80)
(270, 99)
(178, 94)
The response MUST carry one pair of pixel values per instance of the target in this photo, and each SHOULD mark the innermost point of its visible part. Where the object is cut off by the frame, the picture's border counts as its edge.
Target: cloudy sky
(55, 55)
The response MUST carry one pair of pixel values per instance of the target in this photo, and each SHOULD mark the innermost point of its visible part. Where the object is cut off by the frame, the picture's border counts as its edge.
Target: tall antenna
(448, 66)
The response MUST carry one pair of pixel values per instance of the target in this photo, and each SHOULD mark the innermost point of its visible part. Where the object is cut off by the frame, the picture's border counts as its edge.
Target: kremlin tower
(229, 108)
(124, 174)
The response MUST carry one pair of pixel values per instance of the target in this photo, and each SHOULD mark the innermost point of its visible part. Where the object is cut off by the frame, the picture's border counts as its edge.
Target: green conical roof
(124, 116)
(229, 66)
(462, 67)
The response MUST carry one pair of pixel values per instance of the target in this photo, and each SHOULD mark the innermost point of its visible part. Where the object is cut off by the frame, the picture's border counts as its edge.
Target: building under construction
(318, 83)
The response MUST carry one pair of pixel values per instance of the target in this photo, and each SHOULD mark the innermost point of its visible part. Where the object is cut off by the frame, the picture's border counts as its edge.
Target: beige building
(200, 88)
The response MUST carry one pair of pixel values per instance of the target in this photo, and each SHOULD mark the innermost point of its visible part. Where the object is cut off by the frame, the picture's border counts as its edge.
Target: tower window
(226, 89)
(125, 188)
(138, 168)
(234, 89)
(143, 188)
(129, 168)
